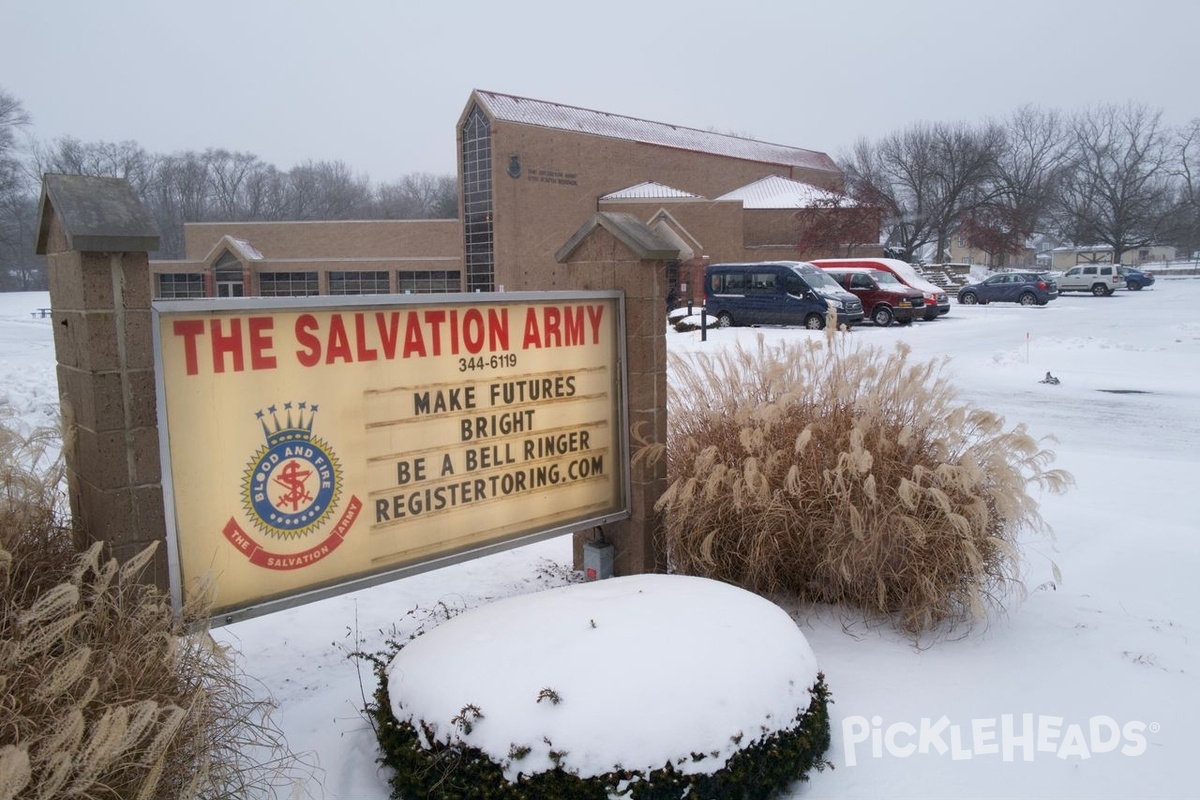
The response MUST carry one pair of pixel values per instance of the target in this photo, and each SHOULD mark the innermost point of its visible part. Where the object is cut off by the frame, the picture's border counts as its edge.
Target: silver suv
(1099, 279)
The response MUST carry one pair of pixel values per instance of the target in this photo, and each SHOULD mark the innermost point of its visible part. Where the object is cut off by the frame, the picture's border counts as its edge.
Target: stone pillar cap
(97, 214)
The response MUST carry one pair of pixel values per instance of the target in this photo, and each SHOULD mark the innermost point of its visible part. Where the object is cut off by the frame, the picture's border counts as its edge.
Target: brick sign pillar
(96, 237)
(618, 251)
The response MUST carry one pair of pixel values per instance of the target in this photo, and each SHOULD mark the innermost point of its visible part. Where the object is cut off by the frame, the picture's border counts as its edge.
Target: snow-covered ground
(1088, 687)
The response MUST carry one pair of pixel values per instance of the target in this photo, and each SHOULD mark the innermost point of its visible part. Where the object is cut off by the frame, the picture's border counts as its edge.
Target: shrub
(103, 692)
(847, 475)
(760, 770)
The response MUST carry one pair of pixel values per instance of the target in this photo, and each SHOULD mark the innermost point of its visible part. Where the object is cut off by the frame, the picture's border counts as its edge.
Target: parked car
(1135, 279)
(885, 299)
(776, 293)
(1099, 279)
(1026, 288)
(937, 302)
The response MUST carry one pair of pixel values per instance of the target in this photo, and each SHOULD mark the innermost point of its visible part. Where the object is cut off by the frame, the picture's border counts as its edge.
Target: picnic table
(40, 312)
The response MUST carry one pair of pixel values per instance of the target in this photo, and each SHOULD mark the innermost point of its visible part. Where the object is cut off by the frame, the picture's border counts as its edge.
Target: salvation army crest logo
(294, 481)
(291, 488)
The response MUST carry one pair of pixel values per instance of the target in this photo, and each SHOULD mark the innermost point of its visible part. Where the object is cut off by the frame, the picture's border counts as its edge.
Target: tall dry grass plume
(104, 693)
(843, 474)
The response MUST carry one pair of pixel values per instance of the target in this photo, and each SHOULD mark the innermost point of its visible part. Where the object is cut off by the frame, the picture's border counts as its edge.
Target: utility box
(597, 561)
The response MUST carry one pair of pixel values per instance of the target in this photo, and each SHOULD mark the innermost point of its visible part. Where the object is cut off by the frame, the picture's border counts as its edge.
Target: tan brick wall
(563, 174)
(384, 239)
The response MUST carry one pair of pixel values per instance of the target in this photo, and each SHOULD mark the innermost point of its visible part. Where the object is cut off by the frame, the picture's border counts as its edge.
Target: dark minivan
(776, 293)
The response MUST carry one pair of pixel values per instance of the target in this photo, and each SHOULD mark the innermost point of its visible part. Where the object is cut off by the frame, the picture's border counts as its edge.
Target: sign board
(320, 444)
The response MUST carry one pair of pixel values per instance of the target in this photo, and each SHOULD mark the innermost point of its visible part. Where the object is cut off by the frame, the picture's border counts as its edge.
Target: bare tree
(19, 268)
(925, 178)
(327, 190)
(418, 195)
(833, 226)
(1118, 190)
(1031, 158)
(1184, 221)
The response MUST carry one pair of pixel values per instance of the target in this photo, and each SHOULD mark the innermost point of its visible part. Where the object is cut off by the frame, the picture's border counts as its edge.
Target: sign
(316, 445)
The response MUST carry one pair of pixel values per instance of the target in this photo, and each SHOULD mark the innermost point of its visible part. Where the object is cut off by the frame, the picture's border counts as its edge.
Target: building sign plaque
(316, 445)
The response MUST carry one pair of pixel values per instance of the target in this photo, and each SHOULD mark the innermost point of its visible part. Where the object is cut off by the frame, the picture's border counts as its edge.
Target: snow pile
(639, 672)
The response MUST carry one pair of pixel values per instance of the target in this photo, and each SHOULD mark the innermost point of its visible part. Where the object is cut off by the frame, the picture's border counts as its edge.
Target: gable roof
(645, 243)
(650, 190)
(774, 191)
(545, 114)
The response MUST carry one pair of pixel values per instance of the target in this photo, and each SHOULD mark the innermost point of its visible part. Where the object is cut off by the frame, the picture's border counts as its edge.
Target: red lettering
(227, 344)
(339, 345)
(533, 335)
(473, 330)
(189, 329)
(414, 342)
(261, 342)
(573, 325)
(498, 329)
(595, 314)
(389, 332)
(552, 333)
(435, 319)
(363, 353)
(310, 356)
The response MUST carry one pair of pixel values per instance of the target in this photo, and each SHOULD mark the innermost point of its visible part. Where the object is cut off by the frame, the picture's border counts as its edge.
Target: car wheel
(1028, 299)
(968, 298)
(882, 316)
(814, 322)
(1100, 290)
(1133, 287)
(724, 319)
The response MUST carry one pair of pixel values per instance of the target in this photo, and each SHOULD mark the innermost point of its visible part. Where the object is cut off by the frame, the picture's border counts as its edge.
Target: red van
(885, 299)
(937, 302)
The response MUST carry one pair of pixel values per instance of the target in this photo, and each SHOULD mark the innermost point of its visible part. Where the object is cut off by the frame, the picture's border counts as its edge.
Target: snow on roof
(598, 123)
(248, 250)
(648, 190)
(774, 191)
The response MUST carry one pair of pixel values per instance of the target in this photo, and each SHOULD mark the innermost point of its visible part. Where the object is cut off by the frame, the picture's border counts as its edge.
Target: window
(359, 282)
(180, 287)
(435, 281)
(478, 236)
(288, 284)
(763, 283)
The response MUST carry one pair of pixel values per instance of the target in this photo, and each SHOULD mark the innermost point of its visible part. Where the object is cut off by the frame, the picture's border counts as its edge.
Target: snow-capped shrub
(639, 687)
(847, 475)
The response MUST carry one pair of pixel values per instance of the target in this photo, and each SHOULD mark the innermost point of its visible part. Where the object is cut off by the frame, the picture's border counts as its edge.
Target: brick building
(531, 173)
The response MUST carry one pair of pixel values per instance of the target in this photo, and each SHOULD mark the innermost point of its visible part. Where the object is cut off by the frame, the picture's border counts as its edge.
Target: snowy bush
(847, 475)
(639, 687)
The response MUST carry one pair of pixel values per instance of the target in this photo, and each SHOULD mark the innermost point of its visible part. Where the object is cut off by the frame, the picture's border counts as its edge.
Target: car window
(860, 282)
(794, 285)
(1073, 272)
(1106, 271)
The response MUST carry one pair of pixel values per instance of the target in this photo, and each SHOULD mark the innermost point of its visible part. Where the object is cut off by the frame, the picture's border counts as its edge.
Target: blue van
(776, 293)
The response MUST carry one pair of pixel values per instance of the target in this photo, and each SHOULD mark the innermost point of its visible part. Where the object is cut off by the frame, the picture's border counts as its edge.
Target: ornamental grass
(844, 474)
(104, 692)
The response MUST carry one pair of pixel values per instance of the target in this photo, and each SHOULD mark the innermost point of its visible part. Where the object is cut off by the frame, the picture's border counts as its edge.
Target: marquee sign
(321, 444)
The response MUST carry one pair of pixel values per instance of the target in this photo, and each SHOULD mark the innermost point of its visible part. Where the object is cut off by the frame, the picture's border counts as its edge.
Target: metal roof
(598, 123)
(649, 190)
(776, 192)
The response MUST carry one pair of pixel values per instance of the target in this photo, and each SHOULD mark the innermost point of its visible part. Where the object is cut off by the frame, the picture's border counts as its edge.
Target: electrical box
(597, 561)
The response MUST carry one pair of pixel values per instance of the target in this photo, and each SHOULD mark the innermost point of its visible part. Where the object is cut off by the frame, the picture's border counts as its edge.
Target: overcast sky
(379, 84)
